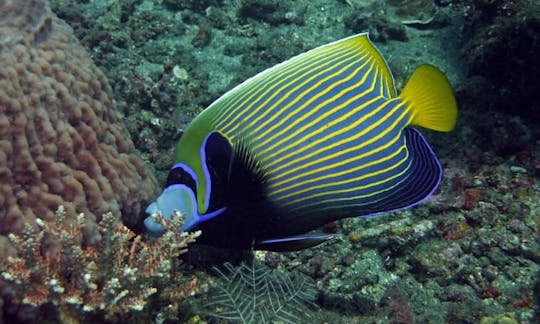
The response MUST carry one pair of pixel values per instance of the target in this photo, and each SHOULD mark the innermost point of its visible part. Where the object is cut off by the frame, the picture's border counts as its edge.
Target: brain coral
(61, 140)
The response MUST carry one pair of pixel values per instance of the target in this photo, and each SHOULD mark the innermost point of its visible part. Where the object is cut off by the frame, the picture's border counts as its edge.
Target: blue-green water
(469, 255)
(472, 252)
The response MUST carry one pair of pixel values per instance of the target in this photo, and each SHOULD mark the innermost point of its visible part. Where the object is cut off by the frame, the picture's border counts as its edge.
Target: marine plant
(254, 294)
(114, 280)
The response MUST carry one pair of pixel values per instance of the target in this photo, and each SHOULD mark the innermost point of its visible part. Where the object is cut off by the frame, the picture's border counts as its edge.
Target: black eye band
(182, 174)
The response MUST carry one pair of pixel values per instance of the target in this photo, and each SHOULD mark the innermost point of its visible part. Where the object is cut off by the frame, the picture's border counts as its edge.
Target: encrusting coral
(61, 140)
(114, 283)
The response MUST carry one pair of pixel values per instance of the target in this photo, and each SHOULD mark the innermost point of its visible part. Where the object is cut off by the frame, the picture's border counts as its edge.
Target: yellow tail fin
(431, 98)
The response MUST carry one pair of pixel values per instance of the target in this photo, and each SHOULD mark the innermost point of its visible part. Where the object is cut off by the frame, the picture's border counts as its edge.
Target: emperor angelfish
(320, 137)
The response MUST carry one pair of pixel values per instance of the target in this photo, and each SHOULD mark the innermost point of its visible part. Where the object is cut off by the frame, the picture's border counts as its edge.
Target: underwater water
(470, 254)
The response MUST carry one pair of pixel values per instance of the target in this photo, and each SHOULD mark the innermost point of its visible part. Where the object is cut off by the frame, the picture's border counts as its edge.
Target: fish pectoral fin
(248, 179)
(292, 243)
(429, 94)
(235, 175)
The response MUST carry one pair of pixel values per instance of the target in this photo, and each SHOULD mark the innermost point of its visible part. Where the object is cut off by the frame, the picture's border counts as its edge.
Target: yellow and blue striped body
(324, 136)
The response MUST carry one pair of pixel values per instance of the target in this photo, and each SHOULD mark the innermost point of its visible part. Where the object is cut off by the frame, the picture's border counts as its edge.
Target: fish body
(320, 137)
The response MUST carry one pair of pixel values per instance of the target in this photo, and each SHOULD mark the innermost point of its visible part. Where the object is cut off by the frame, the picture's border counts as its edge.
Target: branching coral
(53, 267)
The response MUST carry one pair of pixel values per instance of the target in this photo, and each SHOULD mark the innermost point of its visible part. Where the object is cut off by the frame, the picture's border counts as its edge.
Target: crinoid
(254, 294)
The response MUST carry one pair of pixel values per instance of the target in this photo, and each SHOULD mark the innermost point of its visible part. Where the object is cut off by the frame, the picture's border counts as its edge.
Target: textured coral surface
(61, 140)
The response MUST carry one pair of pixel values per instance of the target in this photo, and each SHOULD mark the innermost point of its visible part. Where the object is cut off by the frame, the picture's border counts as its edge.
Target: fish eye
(182, 174)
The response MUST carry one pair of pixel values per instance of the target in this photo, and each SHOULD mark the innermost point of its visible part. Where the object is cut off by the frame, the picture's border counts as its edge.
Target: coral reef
(472, 253)
(503, 42)
(61, 140)
(83, 284)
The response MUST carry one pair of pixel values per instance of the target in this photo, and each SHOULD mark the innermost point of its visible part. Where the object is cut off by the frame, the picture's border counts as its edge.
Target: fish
(320, 137)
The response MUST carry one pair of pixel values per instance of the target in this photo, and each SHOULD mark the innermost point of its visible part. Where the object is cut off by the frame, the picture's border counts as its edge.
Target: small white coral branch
(116, 278)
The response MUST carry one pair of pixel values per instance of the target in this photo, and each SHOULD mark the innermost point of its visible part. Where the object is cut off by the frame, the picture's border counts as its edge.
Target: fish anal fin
(292, 243)
(422, 180)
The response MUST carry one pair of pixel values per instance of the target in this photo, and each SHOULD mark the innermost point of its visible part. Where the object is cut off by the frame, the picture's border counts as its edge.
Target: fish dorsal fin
(381, 68)
(356, 56)
(366, 51)
(432, 101)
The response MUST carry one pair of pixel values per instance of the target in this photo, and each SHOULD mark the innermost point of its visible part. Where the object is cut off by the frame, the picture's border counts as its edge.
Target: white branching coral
(111, 280)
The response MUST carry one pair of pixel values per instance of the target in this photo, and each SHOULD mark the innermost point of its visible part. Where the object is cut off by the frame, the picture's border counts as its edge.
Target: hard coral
(61, 140)
(84, 285)
(503, 42)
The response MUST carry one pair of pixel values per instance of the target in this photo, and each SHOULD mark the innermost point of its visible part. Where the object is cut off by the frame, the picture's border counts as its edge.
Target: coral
(198, 5)
(489, 54)
(251, 294)
(502, 42)
(83, 283)
(507, 318)
(420, 11)
(61, 140)
(272, 12)
(371, 17)
(397, 307)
